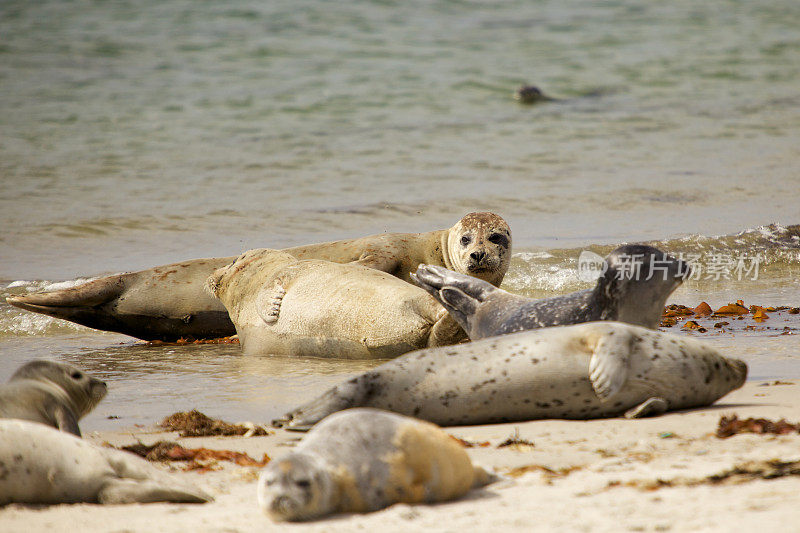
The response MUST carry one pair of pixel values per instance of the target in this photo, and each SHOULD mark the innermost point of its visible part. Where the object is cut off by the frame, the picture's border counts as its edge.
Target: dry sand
(599, 475)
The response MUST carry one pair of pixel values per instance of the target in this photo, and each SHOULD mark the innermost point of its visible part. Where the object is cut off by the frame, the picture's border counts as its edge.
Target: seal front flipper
(651, 407)
(446, 331)
(609, 363)
(385, 262)
(269, 302)
(66, 421)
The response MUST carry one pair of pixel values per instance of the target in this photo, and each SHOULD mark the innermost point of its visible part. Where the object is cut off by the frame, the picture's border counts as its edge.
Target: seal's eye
(465, 240)
(77, 375)
(498, 239)
(303, 483)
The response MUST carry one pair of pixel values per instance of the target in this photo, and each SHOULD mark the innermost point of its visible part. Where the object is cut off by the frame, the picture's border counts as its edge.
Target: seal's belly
(354, 314)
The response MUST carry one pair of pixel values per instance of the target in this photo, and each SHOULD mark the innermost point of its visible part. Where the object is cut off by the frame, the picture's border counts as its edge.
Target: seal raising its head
(169, 302)
(479, 245)
(363, 460)
(593, 370)
(530, 94)
(636, 282)
(51, 393)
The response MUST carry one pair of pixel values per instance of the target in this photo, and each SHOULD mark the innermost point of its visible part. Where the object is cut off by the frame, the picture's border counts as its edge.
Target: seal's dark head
(637, 282)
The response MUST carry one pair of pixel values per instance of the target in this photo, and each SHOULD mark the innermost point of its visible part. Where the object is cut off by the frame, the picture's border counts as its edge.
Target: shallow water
(139, 133)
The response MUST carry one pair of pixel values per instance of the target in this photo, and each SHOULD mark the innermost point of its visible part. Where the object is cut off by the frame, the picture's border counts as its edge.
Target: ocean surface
(137, 133)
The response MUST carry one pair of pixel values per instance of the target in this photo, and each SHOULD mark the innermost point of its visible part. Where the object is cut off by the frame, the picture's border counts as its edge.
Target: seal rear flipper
(482, 477)
(434, 278)
(89, 294)
(608, 366)
(651, 407)
(352, 393)
(147, 491)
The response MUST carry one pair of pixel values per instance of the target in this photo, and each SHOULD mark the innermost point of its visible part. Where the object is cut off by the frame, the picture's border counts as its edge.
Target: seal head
(480, 245)
(297, 487)
(56, 394)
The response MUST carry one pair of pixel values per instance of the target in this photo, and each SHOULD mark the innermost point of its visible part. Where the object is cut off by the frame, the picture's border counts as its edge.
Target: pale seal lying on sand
(168, 302)
(51, 393)
(594, 370)
(636, 283)
(317, 308)
(363, 460)
(41, 465)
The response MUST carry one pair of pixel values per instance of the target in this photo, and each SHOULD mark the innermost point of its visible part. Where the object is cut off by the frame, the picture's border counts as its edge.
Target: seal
(635, 285)
(168, 302)
(531, 94)
(362, 460)
(312, 307)
(51, 393)
(40, 465)
(593, 370)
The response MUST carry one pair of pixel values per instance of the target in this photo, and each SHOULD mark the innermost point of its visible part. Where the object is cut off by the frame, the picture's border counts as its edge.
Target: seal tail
(136, 491)
(139, 482)
(71, 303)
(460, 294)
(483, 477)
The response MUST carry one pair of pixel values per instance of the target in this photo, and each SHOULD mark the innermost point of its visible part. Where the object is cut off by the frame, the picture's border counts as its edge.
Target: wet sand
(597, 475)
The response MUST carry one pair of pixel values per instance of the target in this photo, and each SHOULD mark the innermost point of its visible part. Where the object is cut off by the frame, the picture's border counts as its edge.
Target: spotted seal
(592, 370)
(636, 282)
(56, 394)
(362, 460)
(168, 302)
(40, 465)
(282, 305)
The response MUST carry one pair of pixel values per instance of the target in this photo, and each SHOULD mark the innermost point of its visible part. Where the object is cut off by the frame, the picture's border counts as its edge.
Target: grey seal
(169, 302)
(592, 370)
(56, 394)
(362, 460)
(634, 287)
(316, 308)
(40, 465)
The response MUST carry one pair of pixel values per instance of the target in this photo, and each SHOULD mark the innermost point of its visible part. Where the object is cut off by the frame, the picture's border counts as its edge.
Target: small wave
(17, 322)
(766, 252)
(44, 285)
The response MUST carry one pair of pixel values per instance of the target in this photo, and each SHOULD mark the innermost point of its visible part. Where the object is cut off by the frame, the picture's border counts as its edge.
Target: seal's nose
(478, 256)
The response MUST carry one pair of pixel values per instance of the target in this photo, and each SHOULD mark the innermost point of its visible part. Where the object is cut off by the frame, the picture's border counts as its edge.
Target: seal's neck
(444, 242)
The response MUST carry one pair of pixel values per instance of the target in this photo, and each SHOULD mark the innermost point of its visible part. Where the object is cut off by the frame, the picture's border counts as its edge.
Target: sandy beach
(598, 475)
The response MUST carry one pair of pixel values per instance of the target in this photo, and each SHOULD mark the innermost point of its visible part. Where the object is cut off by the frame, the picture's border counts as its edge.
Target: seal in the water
(531, 94)
(51, 393)
(39, 465)
(363, 460)
(312, 307)
(636, 283)
(594, 370)
(168, 302)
